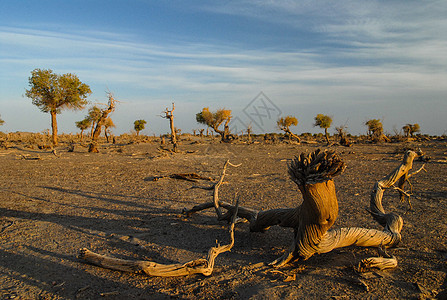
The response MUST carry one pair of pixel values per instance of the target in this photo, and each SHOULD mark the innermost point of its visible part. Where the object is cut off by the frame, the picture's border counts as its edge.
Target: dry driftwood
(216, 203)
(198, 266)
(312, 220)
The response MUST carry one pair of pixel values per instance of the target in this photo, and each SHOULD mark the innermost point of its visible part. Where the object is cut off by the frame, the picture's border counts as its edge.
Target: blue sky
(353, 60)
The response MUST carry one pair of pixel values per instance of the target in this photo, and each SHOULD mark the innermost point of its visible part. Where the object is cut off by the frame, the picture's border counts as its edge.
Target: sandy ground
(52, 207)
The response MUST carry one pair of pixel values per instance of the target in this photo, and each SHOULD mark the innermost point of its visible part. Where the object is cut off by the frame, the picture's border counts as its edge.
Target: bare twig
(216, 189)
(415, 172)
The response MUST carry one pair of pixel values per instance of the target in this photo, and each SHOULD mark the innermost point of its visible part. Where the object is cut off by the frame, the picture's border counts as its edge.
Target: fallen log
(198, 266)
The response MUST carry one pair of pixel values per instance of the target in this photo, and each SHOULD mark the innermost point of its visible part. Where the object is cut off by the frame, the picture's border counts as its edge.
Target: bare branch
(199, 266)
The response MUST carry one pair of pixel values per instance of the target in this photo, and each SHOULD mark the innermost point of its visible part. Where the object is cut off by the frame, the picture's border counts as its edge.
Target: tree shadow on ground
(53, 278)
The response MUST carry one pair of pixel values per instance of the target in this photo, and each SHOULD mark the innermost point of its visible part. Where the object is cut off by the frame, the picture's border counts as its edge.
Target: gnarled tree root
(312, 220)
(342, 237)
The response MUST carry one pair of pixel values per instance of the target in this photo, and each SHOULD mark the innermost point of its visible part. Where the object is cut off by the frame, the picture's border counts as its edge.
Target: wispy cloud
(118, 61)
(369, 51)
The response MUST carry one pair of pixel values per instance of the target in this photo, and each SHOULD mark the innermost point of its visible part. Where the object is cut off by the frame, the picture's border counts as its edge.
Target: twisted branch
(198, 266)
(314, 173)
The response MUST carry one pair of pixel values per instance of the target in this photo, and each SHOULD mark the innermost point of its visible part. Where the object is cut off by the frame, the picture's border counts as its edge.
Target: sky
(351, 60)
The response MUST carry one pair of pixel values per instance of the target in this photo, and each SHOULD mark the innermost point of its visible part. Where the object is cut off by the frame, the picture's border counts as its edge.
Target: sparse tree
(374, 126)
(104, 114)
(411, 129)
(139, 125)
(83, 125)
(375, 130)
(2, 121)
(342, 134)
(52, 93)
(249, 131)
(94, 114)
(324, 122)
(284, 124)
(215, 120)
(415, 128)
(169, 114)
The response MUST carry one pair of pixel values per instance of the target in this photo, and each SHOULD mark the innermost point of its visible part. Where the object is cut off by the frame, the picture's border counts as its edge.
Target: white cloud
(368, 54)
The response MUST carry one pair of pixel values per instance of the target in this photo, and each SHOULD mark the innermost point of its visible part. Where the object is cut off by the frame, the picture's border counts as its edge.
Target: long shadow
(434, 195)
(160, 231)
(145, 209)
(156, 227)
(54, 278)
(100, 196)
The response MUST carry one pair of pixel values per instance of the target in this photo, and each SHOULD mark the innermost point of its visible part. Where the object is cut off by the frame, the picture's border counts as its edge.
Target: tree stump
(312, 220)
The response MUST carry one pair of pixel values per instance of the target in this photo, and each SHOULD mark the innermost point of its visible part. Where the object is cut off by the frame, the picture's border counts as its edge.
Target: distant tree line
(52, 93)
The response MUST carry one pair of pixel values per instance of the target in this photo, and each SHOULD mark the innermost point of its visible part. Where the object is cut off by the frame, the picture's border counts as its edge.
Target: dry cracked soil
(52, 206)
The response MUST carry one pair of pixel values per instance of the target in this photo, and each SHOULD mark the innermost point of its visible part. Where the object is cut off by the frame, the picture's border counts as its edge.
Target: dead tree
(169, 114)
(100, 123)
(375, 131)
(312, 220)
(284, 124)
(341, 131)
(249, 131)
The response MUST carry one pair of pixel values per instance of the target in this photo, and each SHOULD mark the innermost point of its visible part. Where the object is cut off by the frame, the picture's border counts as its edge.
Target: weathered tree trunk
(53, 127)
(169, 114)
(312, 220)
(291, 134)
(173, 133)
(225, 135)
(326, 134)
(313, 174)
(249, 134)
(221, 133)
(93, 129)
(106, 133)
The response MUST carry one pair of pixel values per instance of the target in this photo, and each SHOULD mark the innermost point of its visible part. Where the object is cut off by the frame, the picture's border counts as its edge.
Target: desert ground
(53, 205)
